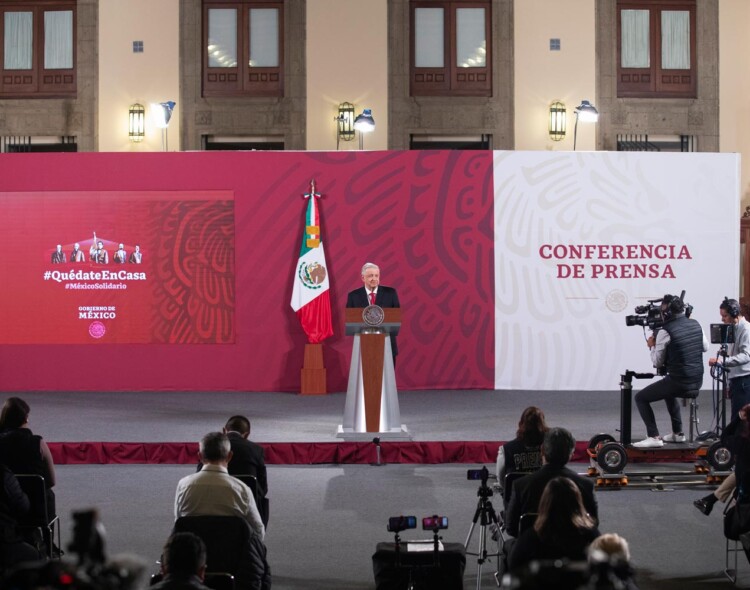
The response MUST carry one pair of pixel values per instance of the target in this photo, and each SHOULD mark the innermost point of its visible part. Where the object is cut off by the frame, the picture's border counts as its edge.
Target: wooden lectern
(372, 398)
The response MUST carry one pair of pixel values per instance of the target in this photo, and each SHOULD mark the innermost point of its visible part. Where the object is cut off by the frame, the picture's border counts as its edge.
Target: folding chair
(229, 542)
(510, 478)
(213, 580)
(35, 488)
(736, 541)
(260, 501)
(526, 521)
(504, 542)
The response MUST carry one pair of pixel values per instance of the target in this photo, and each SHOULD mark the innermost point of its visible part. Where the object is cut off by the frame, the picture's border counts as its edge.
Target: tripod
(485, 514)
(721, 393)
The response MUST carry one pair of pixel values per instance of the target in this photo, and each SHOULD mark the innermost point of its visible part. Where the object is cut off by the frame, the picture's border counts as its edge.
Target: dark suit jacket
(248, 459)
(527, 492)
(385, 297)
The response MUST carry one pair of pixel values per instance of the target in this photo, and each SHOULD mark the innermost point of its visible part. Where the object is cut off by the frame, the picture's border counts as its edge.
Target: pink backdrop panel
(424, 217)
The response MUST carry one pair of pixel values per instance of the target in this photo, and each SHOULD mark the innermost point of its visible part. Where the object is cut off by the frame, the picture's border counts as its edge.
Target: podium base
(349, 434)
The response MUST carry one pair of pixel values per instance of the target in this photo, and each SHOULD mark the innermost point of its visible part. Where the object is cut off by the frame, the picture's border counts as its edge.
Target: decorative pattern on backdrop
(194, 294)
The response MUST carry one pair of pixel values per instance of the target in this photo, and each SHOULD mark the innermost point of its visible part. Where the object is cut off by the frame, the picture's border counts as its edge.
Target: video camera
(647, 315)
(480, 474)
(650, 316)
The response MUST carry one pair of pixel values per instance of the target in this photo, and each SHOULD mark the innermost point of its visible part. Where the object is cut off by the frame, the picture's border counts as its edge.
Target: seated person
(736, 436)
(609, 563)
(14, 503)
(212, 491)
(557, 448)
(183, 563)
(247, 456)
(25, 452)
(562, 529)
(677, 349)
(523, 454)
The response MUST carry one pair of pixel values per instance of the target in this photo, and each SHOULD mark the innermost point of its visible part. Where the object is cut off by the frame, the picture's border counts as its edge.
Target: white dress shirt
(213, 492)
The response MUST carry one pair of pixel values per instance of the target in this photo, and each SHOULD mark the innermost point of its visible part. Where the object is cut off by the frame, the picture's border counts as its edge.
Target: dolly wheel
(720, 457)
(598, 439)
(612, 457)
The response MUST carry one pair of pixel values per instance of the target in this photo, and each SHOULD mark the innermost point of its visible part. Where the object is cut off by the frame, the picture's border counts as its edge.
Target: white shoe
(675, 437)
(652, 442)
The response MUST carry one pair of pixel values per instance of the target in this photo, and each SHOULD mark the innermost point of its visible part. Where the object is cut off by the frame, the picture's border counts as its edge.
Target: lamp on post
(587, 113)
(136, 114)
(162, 113)
(557, 121)
(364, 123)
(344, 123)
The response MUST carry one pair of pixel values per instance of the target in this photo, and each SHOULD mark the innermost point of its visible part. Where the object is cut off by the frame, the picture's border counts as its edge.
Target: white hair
(369, 265)
(608, 547)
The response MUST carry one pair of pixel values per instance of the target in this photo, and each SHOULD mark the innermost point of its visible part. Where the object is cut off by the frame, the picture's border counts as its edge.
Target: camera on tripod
(477, 474)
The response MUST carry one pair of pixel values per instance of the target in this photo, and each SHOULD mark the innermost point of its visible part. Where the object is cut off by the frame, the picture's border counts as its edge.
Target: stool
(692, 397)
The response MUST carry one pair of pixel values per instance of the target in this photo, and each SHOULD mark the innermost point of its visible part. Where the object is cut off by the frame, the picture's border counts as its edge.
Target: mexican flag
(310, 297)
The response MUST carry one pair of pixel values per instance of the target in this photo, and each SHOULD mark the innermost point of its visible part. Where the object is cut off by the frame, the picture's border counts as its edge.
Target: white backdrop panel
(559, 326)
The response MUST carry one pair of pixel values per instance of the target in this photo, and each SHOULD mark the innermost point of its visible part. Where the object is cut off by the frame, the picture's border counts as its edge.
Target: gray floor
(326, 519)
(283, 417)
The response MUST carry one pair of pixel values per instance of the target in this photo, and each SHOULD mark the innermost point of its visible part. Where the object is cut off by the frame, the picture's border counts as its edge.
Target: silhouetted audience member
(736, 436)
(14, 503)
(247, 456)
(557, 448)
(609, 563)
(563, 528)
(183, 563)
(523, 454)
(212, 491)
(22, 451)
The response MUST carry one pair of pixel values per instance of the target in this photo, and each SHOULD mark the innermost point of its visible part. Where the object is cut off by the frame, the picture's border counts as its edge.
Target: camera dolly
(609, 457)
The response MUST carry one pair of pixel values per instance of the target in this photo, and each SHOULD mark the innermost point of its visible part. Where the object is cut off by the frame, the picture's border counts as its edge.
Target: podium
(371, 407)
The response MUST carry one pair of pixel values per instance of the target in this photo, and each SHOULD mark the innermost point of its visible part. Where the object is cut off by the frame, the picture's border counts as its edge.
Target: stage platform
(447, 426)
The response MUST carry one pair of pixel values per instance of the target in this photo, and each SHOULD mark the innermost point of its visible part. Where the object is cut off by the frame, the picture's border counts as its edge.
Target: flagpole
(311, 276)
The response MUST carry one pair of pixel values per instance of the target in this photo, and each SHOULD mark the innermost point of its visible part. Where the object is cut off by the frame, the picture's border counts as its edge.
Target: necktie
(372, 297)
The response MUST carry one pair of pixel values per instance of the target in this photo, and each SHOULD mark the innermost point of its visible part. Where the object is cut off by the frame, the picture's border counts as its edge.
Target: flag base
(313, 373)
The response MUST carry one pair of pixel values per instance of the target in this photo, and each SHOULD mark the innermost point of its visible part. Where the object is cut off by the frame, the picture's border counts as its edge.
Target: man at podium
(373, 293)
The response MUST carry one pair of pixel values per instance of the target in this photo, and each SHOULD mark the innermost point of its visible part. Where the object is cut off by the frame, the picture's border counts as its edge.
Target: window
(243, 43)
(450, 48)
(450, 142)
(656, 48)
(38, 49)
(32, 144)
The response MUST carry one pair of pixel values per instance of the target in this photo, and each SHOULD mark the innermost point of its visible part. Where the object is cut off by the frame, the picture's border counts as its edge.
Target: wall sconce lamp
(162, 113)
(136, 115)
(557, 121)
(344, 123)
(587, 113)
(364, 123)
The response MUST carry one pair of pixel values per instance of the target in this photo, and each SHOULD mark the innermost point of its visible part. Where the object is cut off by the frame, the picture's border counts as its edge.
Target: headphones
(732, 307)
(674, 306)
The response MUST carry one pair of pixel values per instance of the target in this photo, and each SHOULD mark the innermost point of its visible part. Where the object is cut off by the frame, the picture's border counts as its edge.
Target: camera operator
(737, 359)
(678, 349)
